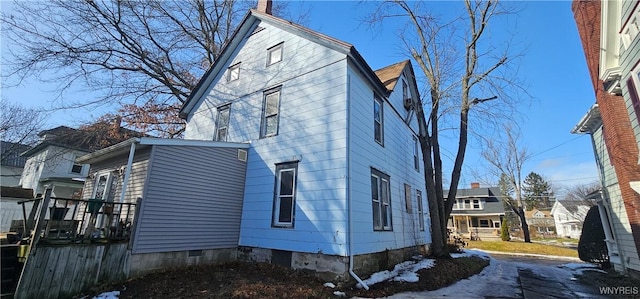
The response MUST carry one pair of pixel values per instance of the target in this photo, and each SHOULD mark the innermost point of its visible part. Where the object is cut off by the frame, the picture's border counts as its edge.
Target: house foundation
(333, 268)
(141, 264)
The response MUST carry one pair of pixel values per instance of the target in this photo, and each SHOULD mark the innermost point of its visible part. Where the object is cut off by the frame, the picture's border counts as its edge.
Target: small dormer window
(274, 54)
(234, 72)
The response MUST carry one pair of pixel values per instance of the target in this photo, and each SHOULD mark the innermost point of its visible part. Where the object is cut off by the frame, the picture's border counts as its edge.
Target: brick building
(609, 31)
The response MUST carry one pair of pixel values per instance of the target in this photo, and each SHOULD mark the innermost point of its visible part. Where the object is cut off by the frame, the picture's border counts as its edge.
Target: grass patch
(557, 240)
(522, 247)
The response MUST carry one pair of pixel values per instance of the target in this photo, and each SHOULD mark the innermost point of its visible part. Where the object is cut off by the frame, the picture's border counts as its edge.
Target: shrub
(591, 247)
(504, 230)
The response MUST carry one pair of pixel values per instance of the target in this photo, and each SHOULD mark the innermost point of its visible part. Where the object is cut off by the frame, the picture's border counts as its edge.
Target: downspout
(127, 172)
(349, 192)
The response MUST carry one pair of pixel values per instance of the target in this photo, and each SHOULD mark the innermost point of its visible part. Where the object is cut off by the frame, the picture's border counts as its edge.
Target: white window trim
(416, 154)
(263, 125)
(407, 198)
(73, 163)
(382, 201)
(107, 186)
(460, 204)
(278, 47)
(420, 209)
(281, 168)
(631, 29)
(234, 69)
(219, 126)
(378, 100)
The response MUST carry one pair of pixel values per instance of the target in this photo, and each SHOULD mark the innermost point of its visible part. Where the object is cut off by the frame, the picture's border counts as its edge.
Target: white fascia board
(476, 215)
(589, 121)
(191, 142)
(635, 186)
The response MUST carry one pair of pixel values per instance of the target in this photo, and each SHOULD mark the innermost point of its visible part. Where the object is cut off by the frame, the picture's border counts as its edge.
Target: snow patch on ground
(407, 271)
(108, 295)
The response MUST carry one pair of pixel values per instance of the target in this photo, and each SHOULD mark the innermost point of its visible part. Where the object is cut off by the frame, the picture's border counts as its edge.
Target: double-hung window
(285, 194)
(222, 123)
(407, 198)
(270, 112)
(378, 121)
(380, 200)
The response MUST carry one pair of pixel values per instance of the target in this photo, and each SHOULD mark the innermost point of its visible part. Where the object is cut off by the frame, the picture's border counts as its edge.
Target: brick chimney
(264, 6)
(475, 185)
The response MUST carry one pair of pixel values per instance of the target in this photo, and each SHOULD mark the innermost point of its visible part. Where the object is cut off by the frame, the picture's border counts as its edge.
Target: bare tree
(455, 82)
(19, 126)
(143, 57)
(507, 158)
(582, 191)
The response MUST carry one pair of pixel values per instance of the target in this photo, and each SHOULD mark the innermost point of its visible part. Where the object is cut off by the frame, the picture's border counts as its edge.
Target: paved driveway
(517, 277)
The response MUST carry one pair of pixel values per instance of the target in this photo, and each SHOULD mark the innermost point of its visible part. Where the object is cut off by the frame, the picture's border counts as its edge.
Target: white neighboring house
(334, 178)
(51, 163)
(569, 216)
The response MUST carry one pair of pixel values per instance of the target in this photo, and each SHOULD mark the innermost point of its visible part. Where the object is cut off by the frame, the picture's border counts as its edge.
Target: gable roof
(86, 139)
(389, 75)
(530, 214)
(247, 25)
(491, 193)
(572, 205)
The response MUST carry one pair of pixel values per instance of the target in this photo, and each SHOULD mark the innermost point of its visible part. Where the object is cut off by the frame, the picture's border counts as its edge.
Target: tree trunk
(523, 223)
(438, 232)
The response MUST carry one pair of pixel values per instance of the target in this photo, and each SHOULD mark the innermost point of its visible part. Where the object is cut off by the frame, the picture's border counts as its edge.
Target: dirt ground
(261, 280)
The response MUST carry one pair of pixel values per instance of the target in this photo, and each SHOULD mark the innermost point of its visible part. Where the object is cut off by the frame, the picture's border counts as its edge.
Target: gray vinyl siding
(615, 203)
(192, 201)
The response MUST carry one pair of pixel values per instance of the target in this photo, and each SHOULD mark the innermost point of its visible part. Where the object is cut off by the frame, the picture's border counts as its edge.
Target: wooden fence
(68, 254)
(64, 271)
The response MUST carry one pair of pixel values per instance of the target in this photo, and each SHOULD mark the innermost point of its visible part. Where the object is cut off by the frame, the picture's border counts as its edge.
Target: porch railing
(55, 220)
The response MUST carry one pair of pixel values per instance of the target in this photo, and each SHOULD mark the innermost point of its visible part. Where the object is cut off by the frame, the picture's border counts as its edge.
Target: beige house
(541, 221)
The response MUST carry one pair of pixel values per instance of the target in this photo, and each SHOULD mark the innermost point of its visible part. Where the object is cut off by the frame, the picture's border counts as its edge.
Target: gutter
(350, 224)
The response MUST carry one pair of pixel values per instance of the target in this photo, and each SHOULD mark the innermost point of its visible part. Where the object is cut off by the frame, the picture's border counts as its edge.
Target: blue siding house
(334, 180)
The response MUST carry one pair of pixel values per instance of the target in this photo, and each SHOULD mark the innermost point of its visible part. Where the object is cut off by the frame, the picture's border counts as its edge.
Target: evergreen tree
(504, 230)
(537, 191)
(592, 248)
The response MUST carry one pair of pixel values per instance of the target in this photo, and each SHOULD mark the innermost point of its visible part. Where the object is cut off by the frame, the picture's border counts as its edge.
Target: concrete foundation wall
(332, 267)
(141, 264)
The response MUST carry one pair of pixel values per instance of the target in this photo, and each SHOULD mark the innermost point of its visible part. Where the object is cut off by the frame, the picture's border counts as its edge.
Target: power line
(557, 146)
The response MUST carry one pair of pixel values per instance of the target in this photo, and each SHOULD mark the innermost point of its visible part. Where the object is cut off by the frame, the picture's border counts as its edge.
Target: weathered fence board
(63, 271)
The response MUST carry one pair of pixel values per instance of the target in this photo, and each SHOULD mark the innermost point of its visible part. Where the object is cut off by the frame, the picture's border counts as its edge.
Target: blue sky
(554, 66)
